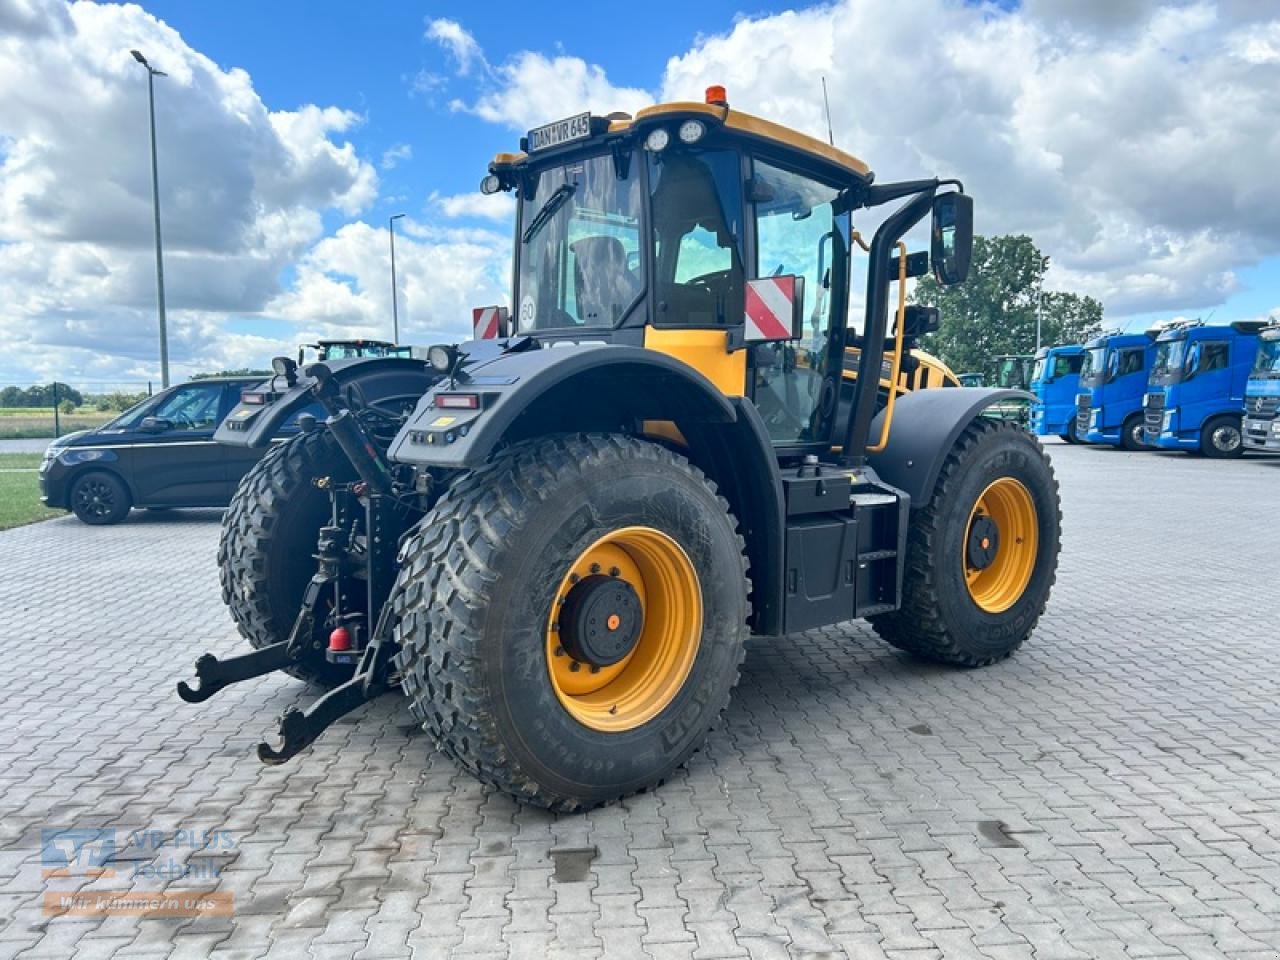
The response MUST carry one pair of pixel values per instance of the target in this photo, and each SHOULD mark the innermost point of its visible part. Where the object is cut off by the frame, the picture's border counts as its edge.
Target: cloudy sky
(1136, 141)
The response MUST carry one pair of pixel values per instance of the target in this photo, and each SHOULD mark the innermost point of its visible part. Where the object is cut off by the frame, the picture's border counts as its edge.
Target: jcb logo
(79, 852)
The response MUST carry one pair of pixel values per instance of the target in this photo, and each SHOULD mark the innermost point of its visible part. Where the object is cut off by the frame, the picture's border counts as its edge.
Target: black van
(159, 453)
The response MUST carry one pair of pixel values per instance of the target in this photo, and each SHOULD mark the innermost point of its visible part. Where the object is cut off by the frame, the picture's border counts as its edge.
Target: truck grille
(1082, 414)
(1153, 412)
(1261, 408)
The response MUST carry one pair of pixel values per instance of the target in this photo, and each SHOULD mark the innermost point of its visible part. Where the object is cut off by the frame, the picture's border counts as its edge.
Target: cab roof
(735, 121)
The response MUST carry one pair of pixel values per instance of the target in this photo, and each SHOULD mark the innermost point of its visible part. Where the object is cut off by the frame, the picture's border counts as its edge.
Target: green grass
(20, 491)
(34, 423)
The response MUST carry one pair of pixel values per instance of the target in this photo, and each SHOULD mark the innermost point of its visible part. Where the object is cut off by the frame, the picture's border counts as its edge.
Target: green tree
(994, 311)
(241, 372)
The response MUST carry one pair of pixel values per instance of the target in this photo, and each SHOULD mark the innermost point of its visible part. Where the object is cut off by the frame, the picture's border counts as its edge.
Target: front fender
(379, 379)
(926, 424)
(553, 389)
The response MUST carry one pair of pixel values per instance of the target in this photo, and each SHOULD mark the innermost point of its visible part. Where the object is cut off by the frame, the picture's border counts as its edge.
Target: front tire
(521, 572)
(1222, 438)
(1131, 434)
(982, 554)
(99, 498)
(268, 538)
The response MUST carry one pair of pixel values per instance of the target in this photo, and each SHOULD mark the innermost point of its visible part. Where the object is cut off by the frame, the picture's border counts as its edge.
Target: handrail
(896, 368)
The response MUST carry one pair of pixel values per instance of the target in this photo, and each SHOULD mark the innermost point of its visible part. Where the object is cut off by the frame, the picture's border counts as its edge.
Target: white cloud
(344, 283)
(494, 206)
(242, 189)
(1129, 140)
(461, 44)
(392, 156)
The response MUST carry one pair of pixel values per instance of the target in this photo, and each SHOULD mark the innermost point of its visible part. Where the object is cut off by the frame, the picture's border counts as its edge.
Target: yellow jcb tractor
(555, 539)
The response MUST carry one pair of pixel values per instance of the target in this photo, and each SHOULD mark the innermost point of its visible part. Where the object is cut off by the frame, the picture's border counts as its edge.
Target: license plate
(562, 131)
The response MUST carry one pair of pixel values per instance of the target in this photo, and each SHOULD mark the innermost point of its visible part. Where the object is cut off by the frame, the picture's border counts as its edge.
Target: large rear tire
(560, 555)
(265, 554)
(982, 554)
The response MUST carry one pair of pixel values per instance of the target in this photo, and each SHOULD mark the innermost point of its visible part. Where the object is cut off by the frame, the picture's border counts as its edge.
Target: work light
(441, 357)
(691, 131)
(657, 140)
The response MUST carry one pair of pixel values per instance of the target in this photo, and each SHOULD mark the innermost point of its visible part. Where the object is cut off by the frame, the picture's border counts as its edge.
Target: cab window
(191, 407)
(1213, 356)
(1065, 366)
(697, 237)
(1129, 361)
(797, 232)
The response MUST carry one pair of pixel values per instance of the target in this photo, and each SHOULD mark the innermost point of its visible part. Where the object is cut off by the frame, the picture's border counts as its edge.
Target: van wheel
(100, 498)
(982, 555)
(1131, 433)
(1221, 437)
(268, 538)
(571, 618)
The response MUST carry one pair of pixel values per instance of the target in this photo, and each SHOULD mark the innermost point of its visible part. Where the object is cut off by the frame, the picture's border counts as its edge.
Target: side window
(1074, 364)
(1214, 356)
(193, 407)
(1062, 366)
(797, 232)
(697, 237)
(1130, 362)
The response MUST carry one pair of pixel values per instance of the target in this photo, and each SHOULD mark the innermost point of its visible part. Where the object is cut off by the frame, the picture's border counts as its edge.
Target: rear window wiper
(548, 210)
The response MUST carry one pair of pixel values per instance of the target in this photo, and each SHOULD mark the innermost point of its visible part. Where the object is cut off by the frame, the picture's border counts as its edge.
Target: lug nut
(559, 651)
(594, 668)
(574, 578)
(615, 572)
(595, 568)
(574, 666)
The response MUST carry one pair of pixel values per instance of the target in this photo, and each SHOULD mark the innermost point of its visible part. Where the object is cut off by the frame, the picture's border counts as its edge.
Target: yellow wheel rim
(629, 693)
(997, 568)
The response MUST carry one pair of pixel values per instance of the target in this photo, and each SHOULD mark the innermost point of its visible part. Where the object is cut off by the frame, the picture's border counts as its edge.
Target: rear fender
(926, 424)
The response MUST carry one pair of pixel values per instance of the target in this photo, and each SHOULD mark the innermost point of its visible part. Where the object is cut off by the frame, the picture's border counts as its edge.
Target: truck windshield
(1267, 366)
(1094, 364)
(1167, 365)
(580, 251)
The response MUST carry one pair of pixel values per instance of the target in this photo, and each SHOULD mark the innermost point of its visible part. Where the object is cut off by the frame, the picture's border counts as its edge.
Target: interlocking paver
(1112, 790)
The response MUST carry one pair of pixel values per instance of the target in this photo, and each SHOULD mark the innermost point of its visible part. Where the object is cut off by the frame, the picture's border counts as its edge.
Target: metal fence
(50, 409)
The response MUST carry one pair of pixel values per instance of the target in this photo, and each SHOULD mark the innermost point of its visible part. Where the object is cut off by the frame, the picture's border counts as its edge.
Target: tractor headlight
(490, 184)
(442, 357)
(691, 131)
(657, 140)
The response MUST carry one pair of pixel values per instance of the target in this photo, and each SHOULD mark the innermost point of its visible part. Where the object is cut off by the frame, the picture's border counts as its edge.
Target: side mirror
(154, 425)
(920, 320)
(774, 310)
(952, 237)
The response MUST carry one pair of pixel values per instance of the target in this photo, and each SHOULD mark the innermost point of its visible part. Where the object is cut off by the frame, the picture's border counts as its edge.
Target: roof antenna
(827, 103)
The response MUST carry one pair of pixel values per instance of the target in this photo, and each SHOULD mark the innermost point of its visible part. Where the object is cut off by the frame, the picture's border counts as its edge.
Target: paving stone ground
(1111, 791)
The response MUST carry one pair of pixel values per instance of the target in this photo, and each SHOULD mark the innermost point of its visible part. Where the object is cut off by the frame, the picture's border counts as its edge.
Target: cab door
(798, 232)
(175, 459)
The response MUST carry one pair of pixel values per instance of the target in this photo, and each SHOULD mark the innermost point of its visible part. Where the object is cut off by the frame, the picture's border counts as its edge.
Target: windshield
(1267, 366)
(1167, 366)
(1093, 365)
(580, 252)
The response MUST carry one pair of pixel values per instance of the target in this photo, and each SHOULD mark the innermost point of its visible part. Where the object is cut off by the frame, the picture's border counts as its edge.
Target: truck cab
(1262, 393)
(1055, 381)
(1195, 396)
(1113, 379)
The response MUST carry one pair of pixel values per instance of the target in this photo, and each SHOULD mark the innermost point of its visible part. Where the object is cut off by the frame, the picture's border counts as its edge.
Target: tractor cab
(720, 240)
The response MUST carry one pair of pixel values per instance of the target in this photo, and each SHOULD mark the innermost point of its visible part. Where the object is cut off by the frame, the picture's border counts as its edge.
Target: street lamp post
(1044, 263)
(152, 73)
(395, 309)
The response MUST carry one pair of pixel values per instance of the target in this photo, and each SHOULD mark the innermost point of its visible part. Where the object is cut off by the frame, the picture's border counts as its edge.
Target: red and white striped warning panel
(489, 323)
(771, 305)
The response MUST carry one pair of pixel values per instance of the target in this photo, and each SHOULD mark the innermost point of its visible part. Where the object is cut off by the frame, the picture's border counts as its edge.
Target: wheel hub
(984, 542)
(600, 621)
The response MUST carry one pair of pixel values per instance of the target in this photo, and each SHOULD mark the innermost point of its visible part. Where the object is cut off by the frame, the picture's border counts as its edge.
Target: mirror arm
(880, 193)
(876, 323)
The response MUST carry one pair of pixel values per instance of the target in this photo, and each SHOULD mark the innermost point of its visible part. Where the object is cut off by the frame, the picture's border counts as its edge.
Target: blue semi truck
(1262, 394)
(1055, 381)
(1195, 397)
(1113, 381)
